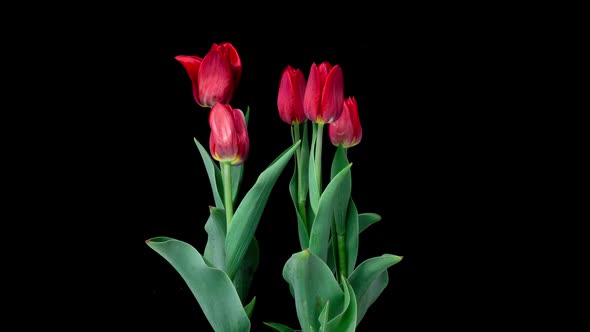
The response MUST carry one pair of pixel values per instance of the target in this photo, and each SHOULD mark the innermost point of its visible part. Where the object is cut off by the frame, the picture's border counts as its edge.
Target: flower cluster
(331, 291)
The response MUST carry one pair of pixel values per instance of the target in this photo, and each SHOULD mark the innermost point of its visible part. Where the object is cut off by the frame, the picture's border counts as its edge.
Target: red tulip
(229, 140)
(291, 92)
(347, 129)
(214, 77)
(324, 93)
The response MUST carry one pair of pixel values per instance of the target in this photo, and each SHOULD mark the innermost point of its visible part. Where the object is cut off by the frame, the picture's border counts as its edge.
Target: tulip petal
(216, 82)
(222, 142)
(286, 99)
(333, 95)
(241, 134)
(191, 64)
(311, 100)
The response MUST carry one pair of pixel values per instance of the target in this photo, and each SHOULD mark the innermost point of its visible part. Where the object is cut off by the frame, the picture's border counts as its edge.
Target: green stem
(300, 196)
(228, 202)
(342, 269)
(318, 156)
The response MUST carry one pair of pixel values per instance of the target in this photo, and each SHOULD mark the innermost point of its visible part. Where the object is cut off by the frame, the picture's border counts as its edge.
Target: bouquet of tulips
(332, 292)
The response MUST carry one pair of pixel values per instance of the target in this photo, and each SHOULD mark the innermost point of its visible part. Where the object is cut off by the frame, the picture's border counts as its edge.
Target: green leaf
(216, 229)
(248, 213)
(352, 237)
(346, 320)
(245, 274)
(335, 192)
(214, 175)
(301, 229)
(339, 163)
(211, 287)
(367, 219)
(249, 308)
(279, 327)
(369, 280)
(313, 286)
(314, 190)
(324, 318)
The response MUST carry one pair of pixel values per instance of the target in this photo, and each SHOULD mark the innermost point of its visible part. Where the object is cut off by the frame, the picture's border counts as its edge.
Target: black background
(428, 93)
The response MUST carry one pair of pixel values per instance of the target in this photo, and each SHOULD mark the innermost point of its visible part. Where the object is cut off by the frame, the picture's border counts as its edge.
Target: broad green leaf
(339, 163)
(331, 197)
(279, 327)
(369, 280)
(346, 320)
(332, 252)
(314, 190)
(249, 308)
(245, 274)
(216, 229)
(367, 219)
(352, 237)
(212, 288)
(313, 286)
(301, 228)
(214, 175)
(248, 213)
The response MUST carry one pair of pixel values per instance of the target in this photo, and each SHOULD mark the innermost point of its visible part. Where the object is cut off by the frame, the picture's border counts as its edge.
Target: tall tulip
(347, 129)
(228, 142)
(214, 77)
(290, 99)
(324, 93)
(322, 103)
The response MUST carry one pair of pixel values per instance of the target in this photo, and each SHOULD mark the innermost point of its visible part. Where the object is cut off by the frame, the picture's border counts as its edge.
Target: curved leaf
(250, 307)
(369, 280)
(352, 237)
(279, 327)
(331, 197)
(212, 288)
(339, 163)
(313, 286)
(367, 219)
(215, 247)
(346, 320)
(301, 228)
(245, 273)
(248, 213)
(214, 175)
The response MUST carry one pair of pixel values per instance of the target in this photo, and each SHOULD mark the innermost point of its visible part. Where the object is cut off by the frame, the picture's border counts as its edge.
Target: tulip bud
(291, 92)
(347, 129)
(229, 140)
(324, 93)
(215, 77)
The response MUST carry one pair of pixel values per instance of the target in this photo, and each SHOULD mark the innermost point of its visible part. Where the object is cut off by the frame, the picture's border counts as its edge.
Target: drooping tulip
(324, 93)
(347, 129)
(215, 76)
(290, 99)
(229, 141)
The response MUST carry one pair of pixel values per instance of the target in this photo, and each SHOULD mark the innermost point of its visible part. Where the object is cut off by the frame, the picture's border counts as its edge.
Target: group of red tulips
(331, 291)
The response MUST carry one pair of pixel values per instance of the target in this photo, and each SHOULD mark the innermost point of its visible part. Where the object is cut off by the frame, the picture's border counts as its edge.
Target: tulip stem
(300, 196)
(228, 201)
(318, 156)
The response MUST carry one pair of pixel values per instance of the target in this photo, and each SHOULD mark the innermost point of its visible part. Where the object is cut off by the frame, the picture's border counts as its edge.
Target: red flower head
(324, 93)
(214, 77)
(229, 140)
(347, 129)
(291, 92)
